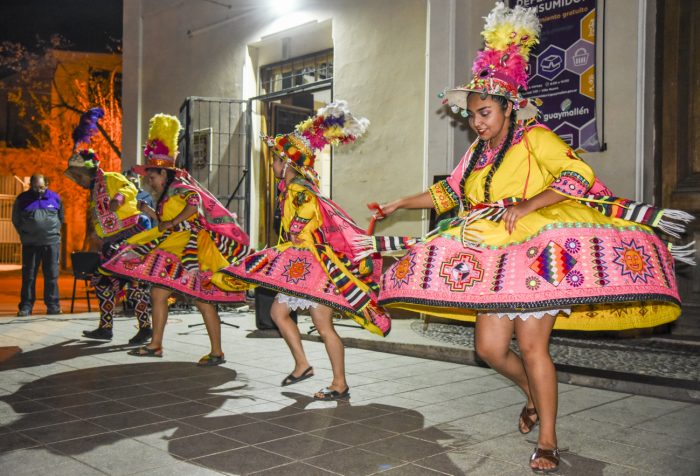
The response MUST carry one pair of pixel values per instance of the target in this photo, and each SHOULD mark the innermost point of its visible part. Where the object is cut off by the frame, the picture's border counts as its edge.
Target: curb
(636, 384)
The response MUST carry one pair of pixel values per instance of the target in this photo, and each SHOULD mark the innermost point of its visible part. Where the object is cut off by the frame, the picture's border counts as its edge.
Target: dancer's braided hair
(478, 150)
(168, 182)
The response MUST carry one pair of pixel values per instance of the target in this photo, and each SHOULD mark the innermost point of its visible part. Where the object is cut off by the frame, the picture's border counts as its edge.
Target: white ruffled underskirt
(528, 314)
(295, 303)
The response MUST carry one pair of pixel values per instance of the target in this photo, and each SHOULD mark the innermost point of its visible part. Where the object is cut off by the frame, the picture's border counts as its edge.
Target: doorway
(678, 133)
(279, 112)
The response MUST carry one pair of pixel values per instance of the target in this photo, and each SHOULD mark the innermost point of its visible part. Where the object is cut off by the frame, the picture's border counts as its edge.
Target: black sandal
(146, 352)
(549, 455)
(327, 394)
(291, 379)
(526, 417)
(211, 360)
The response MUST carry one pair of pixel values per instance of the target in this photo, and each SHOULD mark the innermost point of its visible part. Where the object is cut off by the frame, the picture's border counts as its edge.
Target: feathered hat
(161, 148)
(333, 124)
(501, 67)
(82, 134)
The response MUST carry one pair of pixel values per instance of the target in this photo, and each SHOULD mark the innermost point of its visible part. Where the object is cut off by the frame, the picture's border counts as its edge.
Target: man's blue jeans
(47, 256)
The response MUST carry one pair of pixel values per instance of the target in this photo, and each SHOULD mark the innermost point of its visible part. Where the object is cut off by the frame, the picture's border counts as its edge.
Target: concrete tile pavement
(70, 406)
(11, 284)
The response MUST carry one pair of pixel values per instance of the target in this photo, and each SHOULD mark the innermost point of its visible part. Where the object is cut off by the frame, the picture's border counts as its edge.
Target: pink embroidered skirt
(165, 269)
(298, 272)
(611, 277)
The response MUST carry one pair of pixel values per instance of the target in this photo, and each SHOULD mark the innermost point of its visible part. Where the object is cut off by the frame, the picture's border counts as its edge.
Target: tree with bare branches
(49, 88)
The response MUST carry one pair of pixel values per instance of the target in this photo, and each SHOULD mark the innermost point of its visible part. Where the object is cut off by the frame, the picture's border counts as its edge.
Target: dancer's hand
(146, 209)
(513, 214)
(385, 209)
(165, 225)
(543, 199)
(377, 209)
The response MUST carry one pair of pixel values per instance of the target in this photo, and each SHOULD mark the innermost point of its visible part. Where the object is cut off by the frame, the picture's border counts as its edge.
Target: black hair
(34, 178)
(168, 181)
(479, 149)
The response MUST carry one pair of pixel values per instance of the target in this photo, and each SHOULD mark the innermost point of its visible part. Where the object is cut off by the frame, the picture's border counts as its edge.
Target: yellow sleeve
(119, 188)
(191, 198)
(301, 212)
(444, 197)
(570, 176)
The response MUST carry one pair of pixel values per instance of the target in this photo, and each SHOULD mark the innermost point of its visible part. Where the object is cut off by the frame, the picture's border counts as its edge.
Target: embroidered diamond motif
(553, 263)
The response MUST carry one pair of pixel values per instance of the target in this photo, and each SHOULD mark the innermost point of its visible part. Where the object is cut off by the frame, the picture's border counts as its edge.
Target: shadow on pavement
(77, 412)
(14, 357)
(195, 414)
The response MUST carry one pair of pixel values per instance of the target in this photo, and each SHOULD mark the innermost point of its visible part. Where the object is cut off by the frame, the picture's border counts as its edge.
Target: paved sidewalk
(70, 406)
(11, 285)
(655, 365)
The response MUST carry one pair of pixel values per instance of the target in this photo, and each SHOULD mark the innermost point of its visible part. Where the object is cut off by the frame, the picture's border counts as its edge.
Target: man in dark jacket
(38, 215)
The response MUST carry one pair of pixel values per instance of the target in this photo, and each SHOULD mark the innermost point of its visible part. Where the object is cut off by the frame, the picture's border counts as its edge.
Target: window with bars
(297, 71)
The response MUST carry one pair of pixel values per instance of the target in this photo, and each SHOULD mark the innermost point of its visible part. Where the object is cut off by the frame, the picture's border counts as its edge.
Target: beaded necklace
(478, 151)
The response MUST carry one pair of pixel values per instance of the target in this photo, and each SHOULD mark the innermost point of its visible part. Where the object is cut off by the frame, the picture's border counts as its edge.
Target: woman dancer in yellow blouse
(313, 266)
(536, 237)
(195, 237)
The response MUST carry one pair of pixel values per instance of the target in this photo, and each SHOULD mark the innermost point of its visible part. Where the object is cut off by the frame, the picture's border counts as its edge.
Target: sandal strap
(290, 379)
(551, 455)
(328, 391)
(525, 415)
(144, 350)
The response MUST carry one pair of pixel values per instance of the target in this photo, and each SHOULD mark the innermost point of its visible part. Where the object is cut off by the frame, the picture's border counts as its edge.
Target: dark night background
(89, 25)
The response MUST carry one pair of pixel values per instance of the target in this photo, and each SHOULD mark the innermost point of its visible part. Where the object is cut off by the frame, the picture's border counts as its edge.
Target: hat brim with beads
(524, 111)
(333, 124)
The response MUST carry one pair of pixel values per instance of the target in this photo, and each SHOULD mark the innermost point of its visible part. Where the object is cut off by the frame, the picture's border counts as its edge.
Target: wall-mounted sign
(562, 69)
(201, 148)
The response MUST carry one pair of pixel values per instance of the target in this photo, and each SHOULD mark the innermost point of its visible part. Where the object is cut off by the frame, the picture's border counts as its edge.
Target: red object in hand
(374, 207)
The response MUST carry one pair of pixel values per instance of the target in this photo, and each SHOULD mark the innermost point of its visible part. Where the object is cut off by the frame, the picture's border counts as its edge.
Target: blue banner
(562, 70)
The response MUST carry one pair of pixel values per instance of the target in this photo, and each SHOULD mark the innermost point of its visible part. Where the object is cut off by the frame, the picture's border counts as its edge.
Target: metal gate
(213, 150)
(10, 245)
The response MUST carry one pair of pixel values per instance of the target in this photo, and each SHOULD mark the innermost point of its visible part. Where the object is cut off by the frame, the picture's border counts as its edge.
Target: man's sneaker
(54, 312)
(23, 313)
(100, 333)
(142, 336)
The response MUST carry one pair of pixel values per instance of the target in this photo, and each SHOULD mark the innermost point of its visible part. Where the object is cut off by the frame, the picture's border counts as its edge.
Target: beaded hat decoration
(501, 67)
(161, 147)
(82, 134)
(333, 124)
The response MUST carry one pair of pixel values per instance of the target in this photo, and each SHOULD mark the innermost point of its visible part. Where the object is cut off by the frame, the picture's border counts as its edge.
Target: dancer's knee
(279, 314)
(327, 332)
(494, 355)
(534, 351)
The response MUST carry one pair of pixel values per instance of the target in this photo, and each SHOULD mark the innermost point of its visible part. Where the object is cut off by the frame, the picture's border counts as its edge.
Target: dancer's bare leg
(213, 325)
(493, 336)
(322, 317)
(290, 333)
(159, 304)
(533, 340)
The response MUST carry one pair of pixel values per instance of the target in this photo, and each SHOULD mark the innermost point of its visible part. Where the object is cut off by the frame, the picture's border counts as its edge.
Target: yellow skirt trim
(603, 317)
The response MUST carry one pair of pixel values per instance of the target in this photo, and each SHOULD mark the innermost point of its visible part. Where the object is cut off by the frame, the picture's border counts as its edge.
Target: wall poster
(562, 69)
